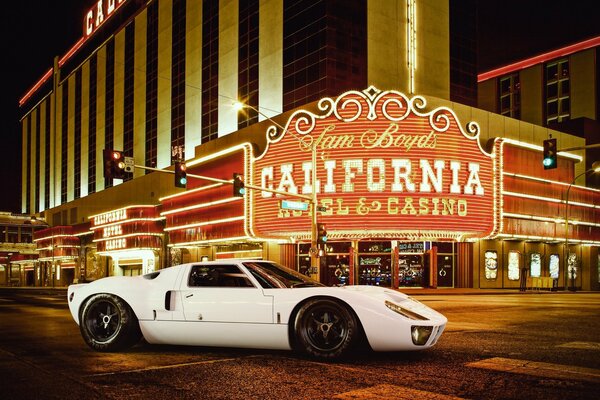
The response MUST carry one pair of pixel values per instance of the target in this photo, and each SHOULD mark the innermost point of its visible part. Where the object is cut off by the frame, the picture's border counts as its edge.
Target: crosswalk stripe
(581, 345)
(381, 392)
(540, 369)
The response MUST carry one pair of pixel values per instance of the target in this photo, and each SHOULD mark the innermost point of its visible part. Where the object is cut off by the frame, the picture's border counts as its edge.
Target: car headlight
(420, 334)
(404, 311)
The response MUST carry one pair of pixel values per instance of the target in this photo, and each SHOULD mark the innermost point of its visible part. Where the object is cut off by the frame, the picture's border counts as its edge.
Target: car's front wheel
(325, 328)
(108, 323)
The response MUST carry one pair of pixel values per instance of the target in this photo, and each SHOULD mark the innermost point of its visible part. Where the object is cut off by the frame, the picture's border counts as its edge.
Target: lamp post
(314, 253)
(571, 274)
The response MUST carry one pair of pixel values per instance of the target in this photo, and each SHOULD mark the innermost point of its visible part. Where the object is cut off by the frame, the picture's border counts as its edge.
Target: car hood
(382, 295)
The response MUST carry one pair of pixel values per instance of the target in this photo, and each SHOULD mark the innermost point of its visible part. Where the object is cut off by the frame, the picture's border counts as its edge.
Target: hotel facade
(415, 185)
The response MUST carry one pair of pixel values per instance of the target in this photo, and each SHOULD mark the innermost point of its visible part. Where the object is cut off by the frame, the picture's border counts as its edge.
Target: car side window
(218, 276)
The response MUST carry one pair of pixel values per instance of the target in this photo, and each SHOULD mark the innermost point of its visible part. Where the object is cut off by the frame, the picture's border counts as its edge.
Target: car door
(224, 293)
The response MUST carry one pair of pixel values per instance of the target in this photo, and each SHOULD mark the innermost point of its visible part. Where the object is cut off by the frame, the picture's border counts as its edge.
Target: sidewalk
(410, 291)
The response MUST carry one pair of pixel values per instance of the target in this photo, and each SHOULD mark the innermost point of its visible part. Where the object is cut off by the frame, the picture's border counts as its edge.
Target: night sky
(34, 32)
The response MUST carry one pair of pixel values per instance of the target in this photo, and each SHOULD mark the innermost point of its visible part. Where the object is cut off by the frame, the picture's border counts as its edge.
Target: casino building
(416, 186)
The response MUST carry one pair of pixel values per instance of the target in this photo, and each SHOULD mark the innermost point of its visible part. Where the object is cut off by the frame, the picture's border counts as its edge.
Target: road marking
(581, 345)
(467, 326)
(540, 369)
(392, 392)
(159, 367)
(53, 298)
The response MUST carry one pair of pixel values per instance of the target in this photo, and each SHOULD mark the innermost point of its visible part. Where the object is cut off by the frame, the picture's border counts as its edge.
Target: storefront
(387, 263)
(131, 237)
(58, 249)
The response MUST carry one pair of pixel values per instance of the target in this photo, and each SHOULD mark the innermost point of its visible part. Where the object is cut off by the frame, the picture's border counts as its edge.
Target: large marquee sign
(385, 168)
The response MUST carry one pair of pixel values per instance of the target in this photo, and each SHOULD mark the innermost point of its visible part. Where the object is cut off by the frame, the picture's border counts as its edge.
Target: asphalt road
(509, 346)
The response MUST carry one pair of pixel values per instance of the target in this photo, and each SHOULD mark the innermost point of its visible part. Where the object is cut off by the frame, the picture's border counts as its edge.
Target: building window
(38, 167)
(491, 265)
(64, 142)
(210, 70)
(248, 62)
(325, 56)
(152, 85)
(27, 122)
(178, 82)
(510, 96)
(109, 107)
(128, 88)
(47, 163)
(558, 89)
(77, 137)
(514, 267)
(92, 125)
(535, 265)
(554, 265)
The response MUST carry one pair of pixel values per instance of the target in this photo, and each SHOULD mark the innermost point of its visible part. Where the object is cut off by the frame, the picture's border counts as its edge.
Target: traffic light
(321, 234)
(114, 164)
(239, 189)
(549, 154)
(180, 174)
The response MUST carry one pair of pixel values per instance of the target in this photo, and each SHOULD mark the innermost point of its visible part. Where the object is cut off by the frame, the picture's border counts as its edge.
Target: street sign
(294, 205)
(129, 164)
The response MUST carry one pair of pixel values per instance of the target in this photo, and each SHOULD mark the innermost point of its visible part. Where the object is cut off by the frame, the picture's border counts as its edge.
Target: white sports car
(248, 303)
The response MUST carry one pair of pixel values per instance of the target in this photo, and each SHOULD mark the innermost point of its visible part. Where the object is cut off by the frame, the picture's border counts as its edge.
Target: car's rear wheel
(107, 323)
(325, 328)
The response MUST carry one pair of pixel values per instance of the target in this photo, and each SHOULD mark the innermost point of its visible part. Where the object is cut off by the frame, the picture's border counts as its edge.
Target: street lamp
(314, 254)
(595, 168)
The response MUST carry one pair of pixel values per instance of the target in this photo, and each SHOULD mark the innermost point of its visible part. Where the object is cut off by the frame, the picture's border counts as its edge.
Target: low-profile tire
(108, 323)
(325, 328)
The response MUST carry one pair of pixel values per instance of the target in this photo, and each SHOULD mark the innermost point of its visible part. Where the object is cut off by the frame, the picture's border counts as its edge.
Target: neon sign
(103, 10)
(110, 217)
(125, 228)
(385, 168)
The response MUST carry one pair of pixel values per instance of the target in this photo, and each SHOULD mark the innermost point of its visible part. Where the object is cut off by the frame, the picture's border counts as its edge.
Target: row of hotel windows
(556, 93)
(307, 63)
(534, 265)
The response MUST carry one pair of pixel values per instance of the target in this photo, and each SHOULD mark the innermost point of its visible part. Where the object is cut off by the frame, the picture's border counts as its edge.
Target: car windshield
(272, 276)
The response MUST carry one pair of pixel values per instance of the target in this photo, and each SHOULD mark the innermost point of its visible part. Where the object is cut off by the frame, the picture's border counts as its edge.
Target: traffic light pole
(314, 251)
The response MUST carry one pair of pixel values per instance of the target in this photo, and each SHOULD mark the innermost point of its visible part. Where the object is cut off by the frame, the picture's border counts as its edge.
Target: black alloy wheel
(325, 328)
(107, 323)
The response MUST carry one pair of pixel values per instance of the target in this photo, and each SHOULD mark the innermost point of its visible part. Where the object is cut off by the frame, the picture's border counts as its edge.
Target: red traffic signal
(180, 174)
(114, 164)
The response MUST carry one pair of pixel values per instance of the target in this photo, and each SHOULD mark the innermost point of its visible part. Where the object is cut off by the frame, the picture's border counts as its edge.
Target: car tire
(108, 323)
(325, 328)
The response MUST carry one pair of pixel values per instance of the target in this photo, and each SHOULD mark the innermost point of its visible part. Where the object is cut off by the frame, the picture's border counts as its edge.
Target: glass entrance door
(375, 263)
(411, 270)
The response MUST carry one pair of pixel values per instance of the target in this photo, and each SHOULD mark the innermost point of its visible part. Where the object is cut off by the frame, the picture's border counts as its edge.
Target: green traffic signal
(549, 160)
(180, 174)
(321, 234)
(239, 189)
